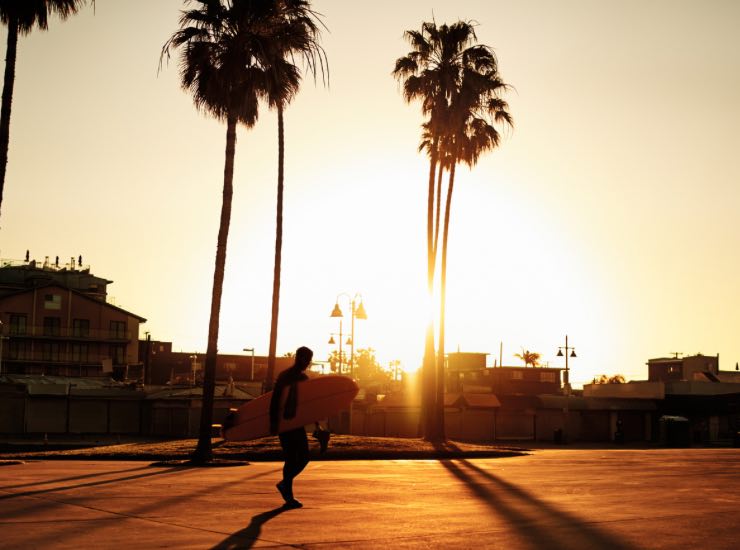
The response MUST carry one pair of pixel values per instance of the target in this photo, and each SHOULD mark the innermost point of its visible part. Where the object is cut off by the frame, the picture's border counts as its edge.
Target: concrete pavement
(559, 499)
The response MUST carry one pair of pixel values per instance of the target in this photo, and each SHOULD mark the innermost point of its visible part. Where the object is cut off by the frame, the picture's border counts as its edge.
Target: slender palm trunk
(204, 451)
(7, 99)
(440, 406)
(439, 207)
(278, 256)
(428, 368)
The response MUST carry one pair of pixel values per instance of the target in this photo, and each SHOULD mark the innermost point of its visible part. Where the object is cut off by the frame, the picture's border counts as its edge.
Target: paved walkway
(554, 499)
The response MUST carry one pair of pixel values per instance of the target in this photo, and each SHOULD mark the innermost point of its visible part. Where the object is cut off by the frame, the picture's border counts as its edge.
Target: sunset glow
(609, 213)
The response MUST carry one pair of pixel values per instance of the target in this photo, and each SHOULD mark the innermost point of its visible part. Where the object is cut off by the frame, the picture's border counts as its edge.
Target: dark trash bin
(675, 431)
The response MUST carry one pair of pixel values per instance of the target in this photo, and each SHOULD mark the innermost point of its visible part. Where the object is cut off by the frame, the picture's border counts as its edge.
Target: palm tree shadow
(245, 538)
(524, 511)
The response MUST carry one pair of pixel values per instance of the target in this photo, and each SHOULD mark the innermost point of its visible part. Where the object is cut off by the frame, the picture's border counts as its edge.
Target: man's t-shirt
(288, 378)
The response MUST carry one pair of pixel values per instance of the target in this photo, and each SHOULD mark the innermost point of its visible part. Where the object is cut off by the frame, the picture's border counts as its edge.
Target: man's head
(303, 357)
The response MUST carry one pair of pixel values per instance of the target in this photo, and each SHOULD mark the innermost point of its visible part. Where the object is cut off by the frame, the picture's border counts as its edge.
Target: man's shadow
(245, 538)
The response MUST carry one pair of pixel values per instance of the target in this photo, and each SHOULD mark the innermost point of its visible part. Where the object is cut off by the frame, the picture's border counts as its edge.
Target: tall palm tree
(21, 17)
(294, 33)
(474, 112)
(218, 66)
(429, 74)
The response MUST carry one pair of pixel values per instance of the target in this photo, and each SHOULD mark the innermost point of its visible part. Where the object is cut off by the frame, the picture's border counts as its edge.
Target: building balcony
(62, 358)
(70, 333)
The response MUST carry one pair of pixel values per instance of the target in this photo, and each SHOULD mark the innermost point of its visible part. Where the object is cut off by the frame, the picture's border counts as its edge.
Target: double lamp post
(357, 312)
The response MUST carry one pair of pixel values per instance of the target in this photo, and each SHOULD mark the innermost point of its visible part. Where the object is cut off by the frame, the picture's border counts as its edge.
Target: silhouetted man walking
(294, 442)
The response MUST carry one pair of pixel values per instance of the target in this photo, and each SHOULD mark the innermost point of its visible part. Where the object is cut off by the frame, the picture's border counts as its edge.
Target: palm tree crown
(219, 64)
(30, 13)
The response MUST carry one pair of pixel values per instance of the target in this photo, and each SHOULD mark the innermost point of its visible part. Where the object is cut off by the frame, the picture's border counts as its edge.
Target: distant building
(467, 372)
(690, 389)
(700, 368)
(56, 321)
(164, 366)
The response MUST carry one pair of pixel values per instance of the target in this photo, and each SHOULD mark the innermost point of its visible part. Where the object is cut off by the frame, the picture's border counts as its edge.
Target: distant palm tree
(295, 32)
(474, 109)
(218, 65)
(21, 16)
(529, 358)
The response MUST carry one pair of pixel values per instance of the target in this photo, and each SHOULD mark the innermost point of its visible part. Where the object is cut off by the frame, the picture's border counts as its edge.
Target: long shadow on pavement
(93, 483)
(73, 478)
(159, 504)
(245, 538)
(540, 523)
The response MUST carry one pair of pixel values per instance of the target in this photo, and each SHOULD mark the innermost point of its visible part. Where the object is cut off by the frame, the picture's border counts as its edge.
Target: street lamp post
(357, 311)
(340, 352)
(566, 378)
(566, 383)
(251, 377)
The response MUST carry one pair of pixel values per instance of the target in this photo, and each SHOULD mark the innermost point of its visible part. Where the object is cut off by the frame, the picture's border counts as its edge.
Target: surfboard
(317, 398)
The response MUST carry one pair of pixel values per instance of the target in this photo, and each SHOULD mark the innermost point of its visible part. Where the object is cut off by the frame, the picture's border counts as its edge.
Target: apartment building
(56, 321)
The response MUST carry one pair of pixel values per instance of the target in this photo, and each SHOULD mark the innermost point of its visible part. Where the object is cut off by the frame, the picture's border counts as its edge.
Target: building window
(547, 377)
(80, 353)
(50, 351)
(52, 326)
(18, 350)
(118, 329)
(517, 375)
(17, 324)
(52, 301)
(81, 328)
(118, 354)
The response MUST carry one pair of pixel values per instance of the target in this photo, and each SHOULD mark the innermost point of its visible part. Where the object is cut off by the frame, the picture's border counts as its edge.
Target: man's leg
(295, 449)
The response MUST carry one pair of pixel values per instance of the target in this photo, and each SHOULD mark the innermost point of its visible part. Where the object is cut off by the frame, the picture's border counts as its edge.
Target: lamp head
(331, 340)
(349, 341)
(336, 312)
(573, 353)
(560, 353)
(360, 312)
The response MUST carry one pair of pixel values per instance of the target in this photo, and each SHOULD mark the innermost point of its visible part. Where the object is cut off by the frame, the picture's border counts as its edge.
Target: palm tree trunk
(278, 256)
(440, 406)
(439, 205)
(428, 367)
(204, 451)
(7, 99)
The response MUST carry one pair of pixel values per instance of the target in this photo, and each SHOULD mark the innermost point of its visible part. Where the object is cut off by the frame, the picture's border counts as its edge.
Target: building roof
(76, 293)
(35, 384)
(472, 400)
(196, 392)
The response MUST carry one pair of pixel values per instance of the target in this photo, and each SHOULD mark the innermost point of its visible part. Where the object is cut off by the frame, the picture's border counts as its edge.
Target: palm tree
(474, 109)
(429, 75)
(21, 16)
(529, 358)
(219, 68)
(295, 32)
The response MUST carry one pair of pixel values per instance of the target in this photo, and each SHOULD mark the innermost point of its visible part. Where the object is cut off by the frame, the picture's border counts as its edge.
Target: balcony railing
(67, 333)
(39, 356)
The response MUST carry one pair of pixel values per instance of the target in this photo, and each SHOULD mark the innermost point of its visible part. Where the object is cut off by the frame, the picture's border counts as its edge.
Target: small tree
(605, 379)
(529, 358)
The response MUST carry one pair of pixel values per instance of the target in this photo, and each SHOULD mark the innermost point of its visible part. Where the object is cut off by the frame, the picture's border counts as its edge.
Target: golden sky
(609, 214)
